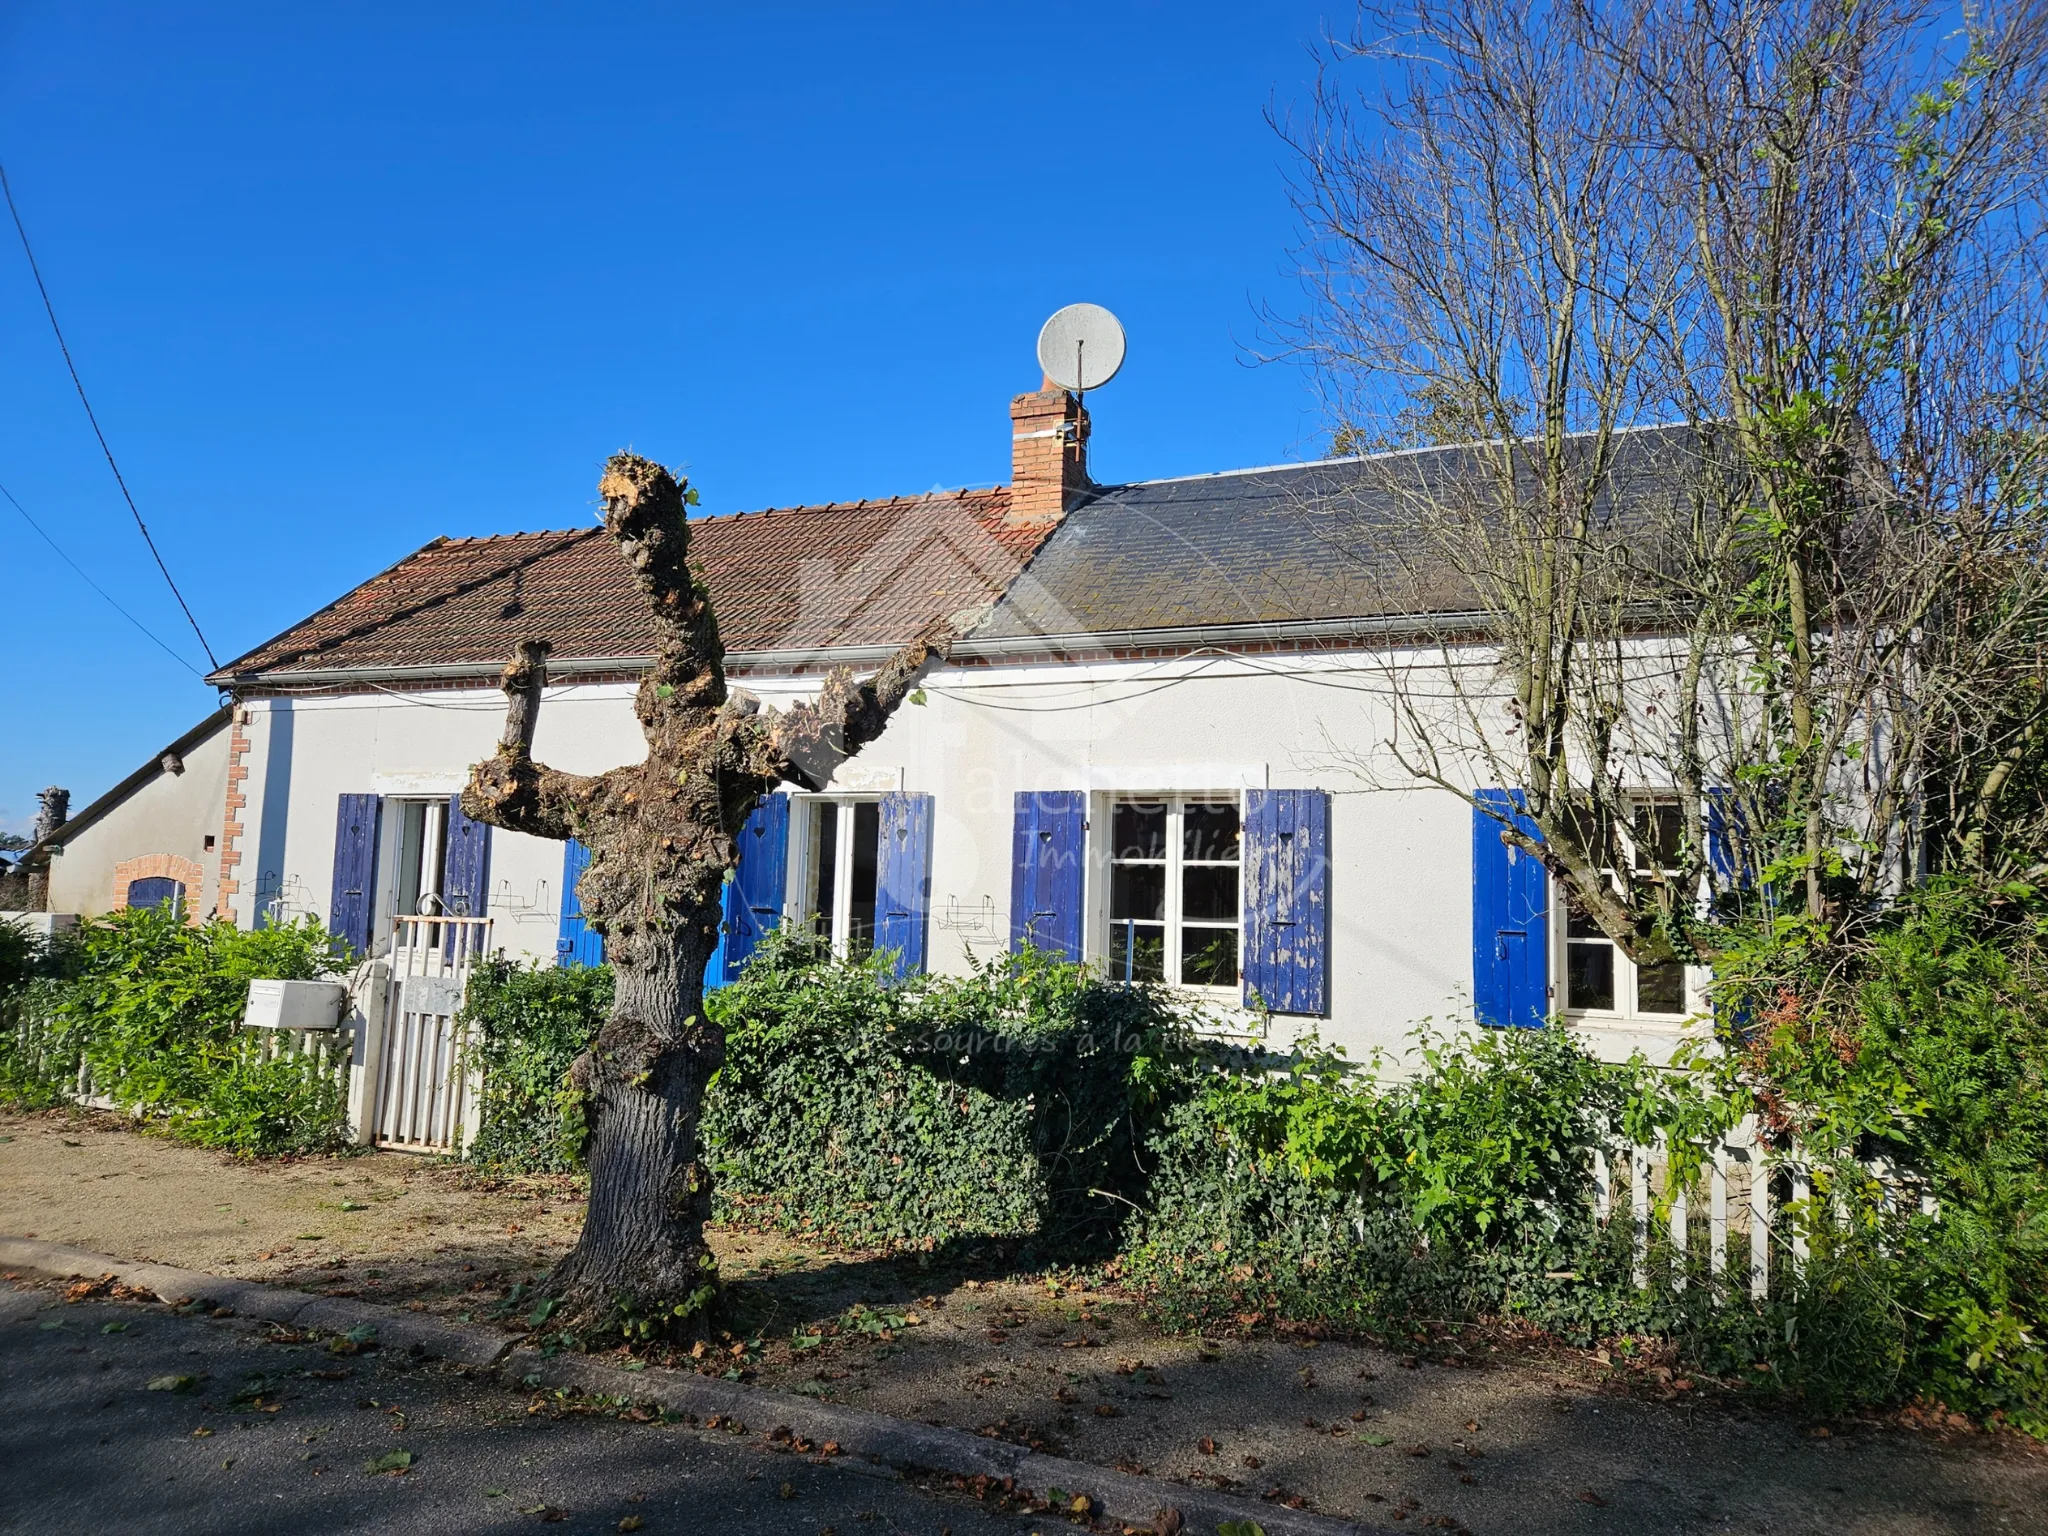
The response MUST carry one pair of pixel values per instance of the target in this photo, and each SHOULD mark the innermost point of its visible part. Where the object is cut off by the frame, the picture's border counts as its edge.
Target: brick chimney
(1048, 456)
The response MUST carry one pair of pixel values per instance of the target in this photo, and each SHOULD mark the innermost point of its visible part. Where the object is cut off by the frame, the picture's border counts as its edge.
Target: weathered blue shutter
(353, 903)
(1049, 842)
(903, 887)
(1287, 900)
(579, 944)
(466, 871)
(753, 899)
(1510, 918)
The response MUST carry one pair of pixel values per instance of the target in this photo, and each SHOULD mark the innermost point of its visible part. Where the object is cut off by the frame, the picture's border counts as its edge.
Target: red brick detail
(151, 866)
(231, 816)
(1048, 457)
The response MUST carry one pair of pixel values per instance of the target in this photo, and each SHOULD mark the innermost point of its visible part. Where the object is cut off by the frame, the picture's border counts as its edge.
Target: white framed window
(1600, 980)
(839, 843)
(1175, 883)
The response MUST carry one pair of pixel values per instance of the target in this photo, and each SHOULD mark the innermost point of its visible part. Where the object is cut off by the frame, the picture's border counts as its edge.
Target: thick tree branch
(806, 743)
(511, 790)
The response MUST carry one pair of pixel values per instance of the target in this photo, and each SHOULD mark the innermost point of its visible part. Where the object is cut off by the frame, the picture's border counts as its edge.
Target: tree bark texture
(663, 835)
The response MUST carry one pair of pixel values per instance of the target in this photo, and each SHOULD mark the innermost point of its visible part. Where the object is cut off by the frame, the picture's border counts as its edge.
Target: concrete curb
(875, 1439)
(396, 1327)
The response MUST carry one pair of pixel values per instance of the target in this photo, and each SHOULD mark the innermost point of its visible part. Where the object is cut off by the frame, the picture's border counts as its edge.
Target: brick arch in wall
(160, 866)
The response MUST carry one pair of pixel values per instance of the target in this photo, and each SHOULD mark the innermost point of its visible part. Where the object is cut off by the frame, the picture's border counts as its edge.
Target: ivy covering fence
(142, 1009)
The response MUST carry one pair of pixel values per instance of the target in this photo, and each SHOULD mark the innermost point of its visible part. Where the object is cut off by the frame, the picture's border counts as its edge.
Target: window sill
(1651, 1023)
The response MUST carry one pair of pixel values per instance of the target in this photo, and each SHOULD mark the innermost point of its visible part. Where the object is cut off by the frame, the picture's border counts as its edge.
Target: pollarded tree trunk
(662, 835)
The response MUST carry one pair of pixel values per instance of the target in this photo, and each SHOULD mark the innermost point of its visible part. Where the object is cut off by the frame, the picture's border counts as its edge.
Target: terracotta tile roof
(858, 573)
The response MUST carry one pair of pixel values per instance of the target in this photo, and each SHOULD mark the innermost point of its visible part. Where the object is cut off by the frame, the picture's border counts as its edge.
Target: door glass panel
(867, 837)
(824, 866)
(412, 818)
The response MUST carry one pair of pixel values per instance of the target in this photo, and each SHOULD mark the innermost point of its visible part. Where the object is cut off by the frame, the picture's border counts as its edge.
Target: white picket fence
(1751, 1204)
(321, 1053)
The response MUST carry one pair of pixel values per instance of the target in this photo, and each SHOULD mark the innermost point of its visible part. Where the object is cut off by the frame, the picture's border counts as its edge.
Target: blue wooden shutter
(157, 891)
(1048, 844)
(1510, 918)
(1287, 900)
(1724, 840)
(903, 890)
(466, 871)
(354, 900)
(579, 944)
(753, 904)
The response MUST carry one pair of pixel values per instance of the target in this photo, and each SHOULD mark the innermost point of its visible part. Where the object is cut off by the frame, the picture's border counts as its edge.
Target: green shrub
(1922, 1037)
(524, 1026)
(1301, 1188)
(148, 1006)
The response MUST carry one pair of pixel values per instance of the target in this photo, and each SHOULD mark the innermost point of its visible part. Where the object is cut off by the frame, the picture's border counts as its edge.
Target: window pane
(1658, 832)
(1208, 892)
(1589, 975)
(1137, 891)
(1137, 951)
(1209, 832)
(1578, 922)
(824, 866)
(1208, 957)
(867, 838)
(1661, 988)
(1139, 832)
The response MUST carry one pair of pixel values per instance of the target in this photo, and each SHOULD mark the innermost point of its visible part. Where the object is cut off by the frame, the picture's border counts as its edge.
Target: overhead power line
(79, 384)
(82, 576)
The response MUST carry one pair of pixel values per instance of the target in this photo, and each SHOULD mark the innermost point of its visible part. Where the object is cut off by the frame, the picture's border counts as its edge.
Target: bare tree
(662, 835)
(1802, 240)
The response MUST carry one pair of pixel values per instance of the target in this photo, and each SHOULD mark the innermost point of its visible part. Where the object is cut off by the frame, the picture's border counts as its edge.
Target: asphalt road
(274, 1436)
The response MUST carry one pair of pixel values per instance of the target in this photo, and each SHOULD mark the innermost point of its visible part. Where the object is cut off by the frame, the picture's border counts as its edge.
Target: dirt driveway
(1528, 1442)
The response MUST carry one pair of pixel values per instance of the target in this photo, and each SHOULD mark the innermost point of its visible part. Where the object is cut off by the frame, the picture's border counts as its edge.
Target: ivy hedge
(147, 1005)
(1097, 1123)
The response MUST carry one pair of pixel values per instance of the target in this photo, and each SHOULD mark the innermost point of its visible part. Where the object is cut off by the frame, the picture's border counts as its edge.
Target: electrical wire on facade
(79, 384)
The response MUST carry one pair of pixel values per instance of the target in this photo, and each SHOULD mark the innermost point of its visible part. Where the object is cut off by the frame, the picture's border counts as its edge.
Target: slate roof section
(871, 573)
(1340, 539)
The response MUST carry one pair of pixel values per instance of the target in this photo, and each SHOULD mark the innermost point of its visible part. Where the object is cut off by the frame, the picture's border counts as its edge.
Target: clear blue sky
(343, 278)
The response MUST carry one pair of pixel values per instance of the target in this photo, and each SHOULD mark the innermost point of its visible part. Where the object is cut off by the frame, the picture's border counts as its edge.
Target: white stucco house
(1136, 759)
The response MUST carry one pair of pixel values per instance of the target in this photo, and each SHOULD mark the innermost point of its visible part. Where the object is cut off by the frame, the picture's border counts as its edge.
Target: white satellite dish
(1081, 347)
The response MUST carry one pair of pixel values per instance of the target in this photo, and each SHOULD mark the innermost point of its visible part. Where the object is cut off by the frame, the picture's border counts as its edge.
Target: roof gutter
(990, 648)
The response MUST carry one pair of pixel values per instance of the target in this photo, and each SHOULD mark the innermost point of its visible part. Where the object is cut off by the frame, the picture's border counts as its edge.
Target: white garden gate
(426, 1099)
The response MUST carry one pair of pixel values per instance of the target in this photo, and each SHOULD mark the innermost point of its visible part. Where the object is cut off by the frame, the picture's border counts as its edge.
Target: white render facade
(1157, 732)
